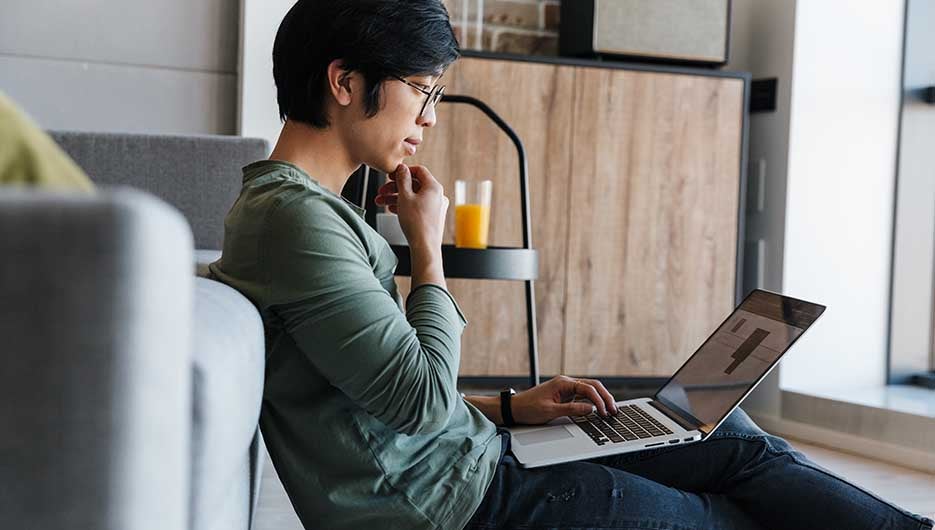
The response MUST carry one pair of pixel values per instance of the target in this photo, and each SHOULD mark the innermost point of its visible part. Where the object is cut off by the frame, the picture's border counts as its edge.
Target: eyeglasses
(432, 96)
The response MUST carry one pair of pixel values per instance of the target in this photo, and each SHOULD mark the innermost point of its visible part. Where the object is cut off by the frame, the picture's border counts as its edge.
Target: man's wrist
(424, 250)
(426, 266)
(489, 406)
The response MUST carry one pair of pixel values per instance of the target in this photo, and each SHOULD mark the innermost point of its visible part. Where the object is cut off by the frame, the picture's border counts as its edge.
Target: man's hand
(419, 199)
(554, 399)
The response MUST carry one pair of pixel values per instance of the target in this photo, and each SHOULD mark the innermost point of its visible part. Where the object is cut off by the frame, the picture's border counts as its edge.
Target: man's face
(385, 140)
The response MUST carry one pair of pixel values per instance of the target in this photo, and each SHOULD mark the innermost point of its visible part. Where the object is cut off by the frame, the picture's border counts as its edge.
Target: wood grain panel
(652, 219)
(536, 100)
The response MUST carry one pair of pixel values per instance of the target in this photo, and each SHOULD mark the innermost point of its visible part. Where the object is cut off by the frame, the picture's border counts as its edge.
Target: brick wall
(511, 26)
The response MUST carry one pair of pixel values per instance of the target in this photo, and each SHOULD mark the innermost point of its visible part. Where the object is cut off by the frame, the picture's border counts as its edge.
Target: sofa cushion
(228, 365)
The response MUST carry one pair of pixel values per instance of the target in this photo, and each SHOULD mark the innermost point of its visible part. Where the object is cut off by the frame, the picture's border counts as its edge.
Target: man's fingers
(404, 179)
(386, 200)
(585, 390)
(421, 176)
(414, 173)
(387, 194)
(605, 394)
(421, 172)
(389, 187)
(575, 408)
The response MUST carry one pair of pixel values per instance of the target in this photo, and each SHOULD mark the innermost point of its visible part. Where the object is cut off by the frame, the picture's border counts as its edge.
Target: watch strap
(506, 408)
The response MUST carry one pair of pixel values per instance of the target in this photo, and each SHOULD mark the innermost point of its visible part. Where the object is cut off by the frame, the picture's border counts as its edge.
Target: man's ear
(339, 82)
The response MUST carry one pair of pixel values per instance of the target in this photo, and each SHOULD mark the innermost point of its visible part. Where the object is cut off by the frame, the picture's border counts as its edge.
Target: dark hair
(377, 38)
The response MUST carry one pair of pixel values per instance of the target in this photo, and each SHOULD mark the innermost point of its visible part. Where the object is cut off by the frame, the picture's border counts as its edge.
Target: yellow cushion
(28, 157)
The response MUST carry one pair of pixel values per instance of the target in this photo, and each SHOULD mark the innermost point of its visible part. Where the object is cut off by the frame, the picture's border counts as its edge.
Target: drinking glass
(472, 213)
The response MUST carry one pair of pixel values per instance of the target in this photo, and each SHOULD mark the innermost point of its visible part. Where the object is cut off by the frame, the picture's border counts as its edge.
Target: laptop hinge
(675, 416)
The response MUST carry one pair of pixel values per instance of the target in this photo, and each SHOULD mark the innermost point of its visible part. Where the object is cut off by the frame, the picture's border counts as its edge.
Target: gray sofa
(130, 390)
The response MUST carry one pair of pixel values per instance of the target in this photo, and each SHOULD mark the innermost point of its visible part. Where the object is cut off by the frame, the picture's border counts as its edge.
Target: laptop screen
(736, 357)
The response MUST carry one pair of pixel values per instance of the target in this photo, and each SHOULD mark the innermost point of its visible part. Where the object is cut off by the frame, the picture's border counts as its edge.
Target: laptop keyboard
(630, 423)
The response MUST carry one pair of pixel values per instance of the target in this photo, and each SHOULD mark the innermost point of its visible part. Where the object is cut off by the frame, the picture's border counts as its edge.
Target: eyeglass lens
(433, 98)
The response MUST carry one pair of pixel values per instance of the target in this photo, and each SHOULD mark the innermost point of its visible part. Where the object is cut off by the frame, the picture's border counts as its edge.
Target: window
(912, 312)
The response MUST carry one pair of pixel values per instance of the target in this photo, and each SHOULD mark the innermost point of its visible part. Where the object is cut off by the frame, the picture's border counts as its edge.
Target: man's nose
(428, 118)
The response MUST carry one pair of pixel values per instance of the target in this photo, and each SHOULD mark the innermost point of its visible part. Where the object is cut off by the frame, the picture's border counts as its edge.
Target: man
(361, 414)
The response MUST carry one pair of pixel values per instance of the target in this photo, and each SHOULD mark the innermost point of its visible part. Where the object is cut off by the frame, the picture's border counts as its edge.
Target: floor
(907, 488)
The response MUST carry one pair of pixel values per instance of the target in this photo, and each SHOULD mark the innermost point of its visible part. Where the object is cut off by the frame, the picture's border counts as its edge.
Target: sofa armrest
(95, 390)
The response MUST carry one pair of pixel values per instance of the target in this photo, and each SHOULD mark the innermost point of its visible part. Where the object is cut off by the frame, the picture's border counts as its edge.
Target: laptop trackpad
(543, 435)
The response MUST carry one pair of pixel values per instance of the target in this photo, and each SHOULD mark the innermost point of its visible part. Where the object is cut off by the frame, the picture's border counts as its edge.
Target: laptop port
(688, 439)
(673, 441)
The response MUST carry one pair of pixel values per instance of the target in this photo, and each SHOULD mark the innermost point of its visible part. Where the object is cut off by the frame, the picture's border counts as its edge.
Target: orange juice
(472, 222)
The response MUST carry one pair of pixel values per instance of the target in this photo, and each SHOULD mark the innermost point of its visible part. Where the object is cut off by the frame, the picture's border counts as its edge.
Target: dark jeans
(740, 478)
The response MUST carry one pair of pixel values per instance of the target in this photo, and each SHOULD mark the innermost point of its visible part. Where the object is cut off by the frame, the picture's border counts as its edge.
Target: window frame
(911, 344)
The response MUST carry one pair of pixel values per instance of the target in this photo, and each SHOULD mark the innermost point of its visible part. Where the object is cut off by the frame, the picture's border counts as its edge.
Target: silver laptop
(694, 401)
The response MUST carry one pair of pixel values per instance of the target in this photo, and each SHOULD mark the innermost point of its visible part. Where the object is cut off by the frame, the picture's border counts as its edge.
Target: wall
(258, 111)
(157, 67)
(515, 26)
(840, 187)
(762, 37)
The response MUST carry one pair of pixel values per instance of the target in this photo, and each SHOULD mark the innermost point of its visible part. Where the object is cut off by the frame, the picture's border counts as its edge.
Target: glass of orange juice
(472, 213)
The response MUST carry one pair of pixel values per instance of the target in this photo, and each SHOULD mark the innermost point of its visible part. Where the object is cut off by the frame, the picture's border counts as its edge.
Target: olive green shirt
(360, 414)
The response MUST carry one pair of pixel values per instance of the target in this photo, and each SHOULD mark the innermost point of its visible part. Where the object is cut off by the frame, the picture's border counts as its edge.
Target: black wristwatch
(506, 409)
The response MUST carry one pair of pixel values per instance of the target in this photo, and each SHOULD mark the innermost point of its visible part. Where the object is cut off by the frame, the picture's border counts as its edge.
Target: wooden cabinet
(634, 180)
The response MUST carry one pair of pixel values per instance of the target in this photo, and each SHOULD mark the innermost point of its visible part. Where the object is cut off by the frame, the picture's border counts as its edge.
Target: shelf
(492, 263)
(612, 63)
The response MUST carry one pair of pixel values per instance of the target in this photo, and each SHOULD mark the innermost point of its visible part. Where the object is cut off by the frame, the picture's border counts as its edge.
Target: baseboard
(848, 443)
